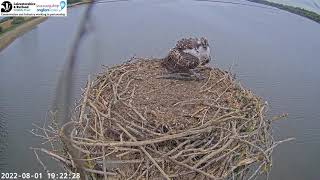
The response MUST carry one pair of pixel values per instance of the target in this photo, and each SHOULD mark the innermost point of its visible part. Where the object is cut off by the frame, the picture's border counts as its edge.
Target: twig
(84, 102)
(144, 150)
(213, 153)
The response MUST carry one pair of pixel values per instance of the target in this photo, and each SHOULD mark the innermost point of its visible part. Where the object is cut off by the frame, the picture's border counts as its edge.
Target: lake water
(276, 54)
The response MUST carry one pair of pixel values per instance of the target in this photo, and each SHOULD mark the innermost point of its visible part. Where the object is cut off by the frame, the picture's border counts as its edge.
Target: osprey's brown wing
(189, 61)
(178, 61)
(187, 43)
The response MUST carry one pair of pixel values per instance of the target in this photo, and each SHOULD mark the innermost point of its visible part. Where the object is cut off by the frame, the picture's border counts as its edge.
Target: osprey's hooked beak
(206, 60)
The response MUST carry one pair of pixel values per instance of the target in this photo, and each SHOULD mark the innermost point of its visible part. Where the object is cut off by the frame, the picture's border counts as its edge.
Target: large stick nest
(131, 124)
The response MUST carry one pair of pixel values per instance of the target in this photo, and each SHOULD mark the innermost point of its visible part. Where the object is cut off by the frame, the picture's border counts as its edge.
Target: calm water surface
(276, 55)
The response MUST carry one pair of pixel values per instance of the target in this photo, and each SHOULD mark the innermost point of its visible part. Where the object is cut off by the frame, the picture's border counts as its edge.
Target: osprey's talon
(198, 76)
(201, 68)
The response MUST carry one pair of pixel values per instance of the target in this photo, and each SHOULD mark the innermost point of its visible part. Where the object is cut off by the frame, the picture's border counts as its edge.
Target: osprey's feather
(187, 54)
(179, 61)
(191, 43)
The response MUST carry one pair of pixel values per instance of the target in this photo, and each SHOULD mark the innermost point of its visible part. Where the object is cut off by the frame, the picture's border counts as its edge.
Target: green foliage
(5, 19)
(17, 20)
(296, 10)
(1, 29)
(73, 1)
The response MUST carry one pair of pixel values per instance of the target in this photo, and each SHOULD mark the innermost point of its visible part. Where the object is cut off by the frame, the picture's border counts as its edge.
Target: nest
(130, 124)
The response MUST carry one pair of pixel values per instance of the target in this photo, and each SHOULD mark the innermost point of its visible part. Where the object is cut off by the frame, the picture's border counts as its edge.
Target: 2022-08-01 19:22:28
(50, 175)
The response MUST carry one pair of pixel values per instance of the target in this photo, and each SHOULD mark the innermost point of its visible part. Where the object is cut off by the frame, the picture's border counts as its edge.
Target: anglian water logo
(6, 6)
(62, 5)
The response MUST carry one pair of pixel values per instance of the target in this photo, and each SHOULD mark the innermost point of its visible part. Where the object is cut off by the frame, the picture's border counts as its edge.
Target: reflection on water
(3, 137)
(28, 44)
(276, 55)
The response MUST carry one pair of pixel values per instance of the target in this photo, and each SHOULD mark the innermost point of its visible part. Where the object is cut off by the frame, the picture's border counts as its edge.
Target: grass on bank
(13, 22)
(13, 27)
(10, 23)
(295, 10)
(17, 30)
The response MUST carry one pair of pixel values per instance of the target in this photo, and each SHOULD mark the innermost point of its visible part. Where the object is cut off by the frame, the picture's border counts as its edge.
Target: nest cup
(130, 124)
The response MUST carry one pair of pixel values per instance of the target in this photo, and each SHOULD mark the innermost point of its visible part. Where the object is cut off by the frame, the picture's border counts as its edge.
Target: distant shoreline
(8, 37)
(292, 9)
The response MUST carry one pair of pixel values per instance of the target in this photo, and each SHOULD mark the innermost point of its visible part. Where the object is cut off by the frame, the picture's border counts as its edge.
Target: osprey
(187, 55)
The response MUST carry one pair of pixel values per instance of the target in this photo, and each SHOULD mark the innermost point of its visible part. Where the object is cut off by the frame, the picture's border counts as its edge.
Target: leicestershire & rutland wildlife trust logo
(6, 6)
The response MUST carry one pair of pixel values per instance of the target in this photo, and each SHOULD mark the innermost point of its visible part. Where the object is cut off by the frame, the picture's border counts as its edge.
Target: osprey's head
(204, 51)
(197, 47)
